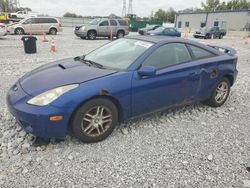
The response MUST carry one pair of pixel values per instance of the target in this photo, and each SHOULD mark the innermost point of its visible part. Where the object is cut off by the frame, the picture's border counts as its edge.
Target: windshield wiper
(88, 62)
(94, 63)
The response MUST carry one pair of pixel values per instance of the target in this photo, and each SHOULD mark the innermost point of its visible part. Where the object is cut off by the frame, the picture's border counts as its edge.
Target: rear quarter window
(122, 22)
(200, 53)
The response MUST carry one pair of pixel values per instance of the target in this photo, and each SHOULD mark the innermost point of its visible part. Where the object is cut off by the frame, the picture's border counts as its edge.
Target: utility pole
(124, 8)
(130, 7)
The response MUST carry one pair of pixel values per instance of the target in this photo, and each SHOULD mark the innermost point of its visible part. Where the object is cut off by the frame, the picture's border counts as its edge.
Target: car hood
(59, 73)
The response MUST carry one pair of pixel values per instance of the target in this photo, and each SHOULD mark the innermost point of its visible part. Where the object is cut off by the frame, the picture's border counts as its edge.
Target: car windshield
(95, 21)
(150, 26)
(160, 29)
(119, 54)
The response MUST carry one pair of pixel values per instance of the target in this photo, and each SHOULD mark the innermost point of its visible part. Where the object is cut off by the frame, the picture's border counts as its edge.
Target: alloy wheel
(221, 92)
(96, 121)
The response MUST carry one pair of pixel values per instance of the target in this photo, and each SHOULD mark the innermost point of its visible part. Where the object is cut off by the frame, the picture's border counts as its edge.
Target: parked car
(102, 27)
(36, 26)
(167, 31)
(144, 30)
(23, 14)
(129, 77)
(208, 33)
(3, 30)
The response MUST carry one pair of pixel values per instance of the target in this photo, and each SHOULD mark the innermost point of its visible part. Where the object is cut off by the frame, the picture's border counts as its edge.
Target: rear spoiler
(224, 49)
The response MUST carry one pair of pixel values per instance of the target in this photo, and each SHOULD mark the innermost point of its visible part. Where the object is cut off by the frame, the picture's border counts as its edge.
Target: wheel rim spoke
(96, 121)
(221, 92)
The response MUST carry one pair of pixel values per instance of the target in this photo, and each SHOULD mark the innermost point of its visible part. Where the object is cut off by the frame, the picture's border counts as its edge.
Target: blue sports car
(165, 31)
(89, 95)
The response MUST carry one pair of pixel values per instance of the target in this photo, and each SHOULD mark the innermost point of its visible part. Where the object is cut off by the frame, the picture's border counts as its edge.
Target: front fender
(117, 85)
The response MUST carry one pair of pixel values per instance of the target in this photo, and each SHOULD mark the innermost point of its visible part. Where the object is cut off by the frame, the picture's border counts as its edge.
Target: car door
(209, 70)
(176, 80)
(104, 29)
(29, 25)
(169, 32)
(113, 26)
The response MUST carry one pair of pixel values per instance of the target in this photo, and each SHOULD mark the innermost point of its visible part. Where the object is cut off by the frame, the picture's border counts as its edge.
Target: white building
(231, 20)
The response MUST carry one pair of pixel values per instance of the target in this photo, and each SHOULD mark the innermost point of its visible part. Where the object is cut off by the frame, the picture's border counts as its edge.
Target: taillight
(60, 25)
(2, 26)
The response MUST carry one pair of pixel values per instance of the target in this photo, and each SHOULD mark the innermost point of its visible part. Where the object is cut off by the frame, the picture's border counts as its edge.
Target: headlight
(51, 95)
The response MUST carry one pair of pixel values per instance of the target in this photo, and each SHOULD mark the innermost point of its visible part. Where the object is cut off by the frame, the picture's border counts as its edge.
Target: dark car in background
(144, 30)
(208, 33)
(167, 31)
(102, 27)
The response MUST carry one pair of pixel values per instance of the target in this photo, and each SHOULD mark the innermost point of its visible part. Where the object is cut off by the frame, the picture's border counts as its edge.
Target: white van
(37, 25)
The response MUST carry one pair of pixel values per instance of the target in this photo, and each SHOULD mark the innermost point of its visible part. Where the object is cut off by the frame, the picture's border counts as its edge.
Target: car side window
(168, 55)
(122, 22)
(166, 30)
(113, 23)
(200, 53)
(104, 23)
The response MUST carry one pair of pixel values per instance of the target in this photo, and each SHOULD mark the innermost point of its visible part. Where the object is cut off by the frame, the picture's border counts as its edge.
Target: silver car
(103, 27)
(36, 26)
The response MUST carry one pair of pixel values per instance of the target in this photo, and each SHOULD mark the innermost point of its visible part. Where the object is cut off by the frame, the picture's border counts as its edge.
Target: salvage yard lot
(191, 146)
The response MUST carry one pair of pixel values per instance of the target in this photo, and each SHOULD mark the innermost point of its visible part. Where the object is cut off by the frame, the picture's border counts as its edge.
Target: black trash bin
(29, 43)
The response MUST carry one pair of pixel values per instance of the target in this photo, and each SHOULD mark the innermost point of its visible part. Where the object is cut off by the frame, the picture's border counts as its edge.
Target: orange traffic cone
(53, 46)
(44, 37)
(111, 35)
(245, 40)
(30, 31)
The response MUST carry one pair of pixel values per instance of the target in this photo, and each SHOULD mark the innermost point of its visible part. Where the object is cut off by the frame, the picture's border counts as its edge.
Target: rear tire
(95, 120)
(220, 93)
(19, 31)
(120, 34)
(221, 36)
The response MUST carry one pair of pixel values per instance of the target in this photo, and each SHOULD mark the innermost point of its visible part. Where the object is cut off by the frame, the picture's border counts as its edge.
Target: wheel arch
(53, 27)
(120, 30)
(92, 30)
(230, 78)
(19, 27)
(103, 95)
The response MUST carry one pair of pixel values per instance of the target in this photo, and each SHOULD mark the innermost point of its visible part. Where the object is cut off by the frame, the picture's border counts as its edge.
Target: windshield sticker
(143, 44)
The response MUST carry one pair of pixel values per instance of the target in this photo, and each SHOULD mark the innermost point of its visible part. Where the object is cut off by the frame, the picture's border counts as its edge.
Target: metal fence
(72, 22)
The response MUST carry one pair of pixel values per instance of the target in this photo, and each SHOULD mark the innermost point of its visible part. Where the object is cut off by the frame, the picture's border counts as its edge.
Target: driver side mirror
(147, 71)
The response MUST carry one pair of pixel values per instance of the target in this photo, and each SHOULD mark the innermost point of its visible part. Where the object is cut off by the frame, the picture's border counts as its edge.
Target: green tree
(4, 6)
(210, 5)
(165, 16)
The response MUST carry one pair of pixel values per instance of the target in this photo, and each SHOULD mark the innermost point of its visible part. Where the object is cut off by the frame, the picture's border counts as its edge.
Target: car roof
(165, 39)
(154, 38)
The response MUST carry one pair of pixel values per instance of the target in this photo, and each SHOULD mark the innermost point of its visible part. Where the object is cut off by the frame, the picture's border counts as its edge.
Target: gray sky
(104, 7)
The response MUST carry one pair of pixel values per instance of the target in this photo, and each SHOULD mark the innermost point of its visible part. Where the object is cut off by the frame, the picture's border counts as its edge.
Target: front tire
(92, 35)
(95, 120)
(19, 31)
(220, 93)
(53, 31)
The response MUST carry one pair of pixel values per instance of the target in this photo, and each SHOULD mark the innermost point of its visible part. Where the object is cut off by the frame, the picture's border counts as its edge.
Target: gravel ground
(191, 146)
